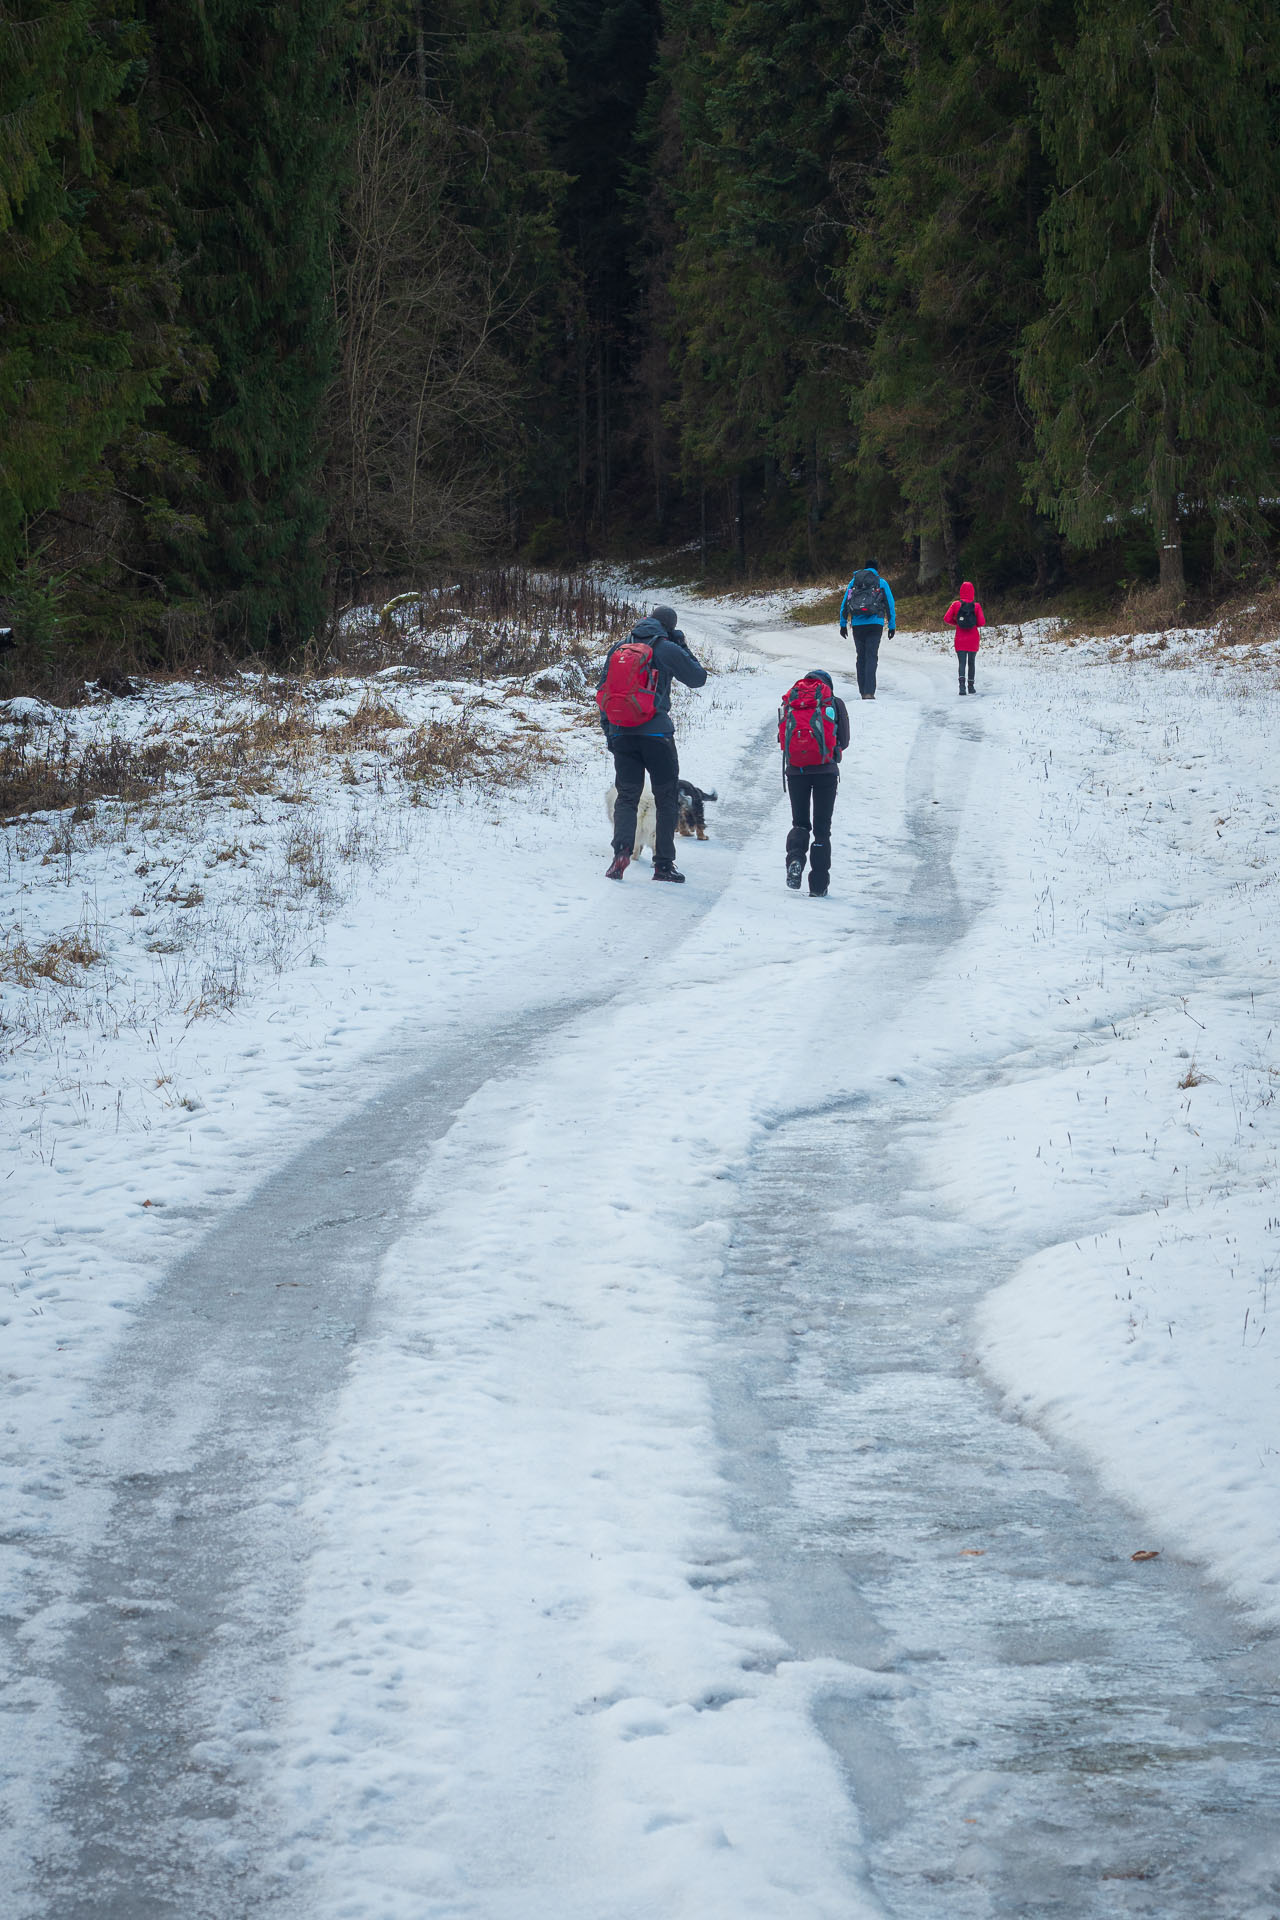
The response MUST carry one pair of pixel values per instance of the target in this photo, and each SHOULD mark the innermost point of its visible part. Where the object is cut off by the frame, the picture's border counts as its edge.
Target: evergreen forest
(304, 299)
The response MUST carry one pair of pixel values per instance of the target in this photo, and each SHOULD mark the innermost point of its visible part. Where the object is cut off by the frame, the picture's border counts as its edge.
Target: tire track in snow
(1074, 1734)
(161, 1640)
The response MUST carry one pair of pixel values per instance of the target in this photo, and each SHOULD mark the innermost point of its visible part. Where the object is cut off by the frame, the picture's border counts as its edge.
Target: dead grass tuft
(45, 779)
(449, 752)
(1194, 1078)
(1254, 624)
(495, 623)
(367, 726)
(1150, 609)
(56, 961)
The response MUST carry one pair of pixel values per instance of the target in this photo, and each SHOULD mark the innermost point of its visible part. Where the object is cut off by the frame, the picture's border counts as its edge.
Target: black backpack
(865, 597)
(966, 616)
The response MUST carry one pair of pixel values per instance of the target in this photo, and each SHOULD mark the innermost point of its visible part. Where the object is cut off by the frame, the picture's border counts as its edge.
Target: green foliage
(1152, 371)
(947, 267)
(581, 400)
(248, 134)
(82, 341)
(295, 294)
(777, 112)
(765, 120)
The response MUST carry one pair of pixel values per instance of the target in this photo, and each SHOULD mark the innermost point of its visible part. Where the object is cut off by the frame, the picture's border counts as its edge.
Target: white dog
(646, 819)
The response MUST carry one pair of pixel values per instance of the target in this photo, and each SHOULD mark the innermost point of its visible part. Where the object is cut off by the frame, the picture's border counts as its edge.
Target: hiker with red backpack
(634, 697)
(968, 619)
(866, 605)
(813, 732)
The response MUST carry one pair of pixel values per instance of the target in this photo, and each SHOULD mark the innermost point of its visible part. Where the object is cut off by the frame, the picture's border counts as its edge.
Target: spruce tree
(80, 357)
(762, 340)
(248, 134)
(947, 268)
(608, 50)
(1153, 371)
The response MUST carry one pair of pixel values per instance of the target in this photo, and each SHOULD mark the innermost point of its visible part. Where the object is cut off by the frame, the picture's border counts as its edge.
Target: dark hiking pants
(812, 788)
(963, 655)
(633, 756)
(866, 645)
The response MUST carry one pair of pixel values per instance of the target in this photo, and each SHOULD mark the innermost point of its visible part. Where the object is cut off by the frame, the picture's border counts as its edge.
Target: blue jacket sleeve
(675, 658)
(888, 594)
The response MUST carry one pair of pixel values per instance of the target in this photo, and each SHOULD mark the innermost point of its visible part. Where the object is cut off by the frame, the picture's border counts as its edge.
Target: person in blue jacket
(867, 604)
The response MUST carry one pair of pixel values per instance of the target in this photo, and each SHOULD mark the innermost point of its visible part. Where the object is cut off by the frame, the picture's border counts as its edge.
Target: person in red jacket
(968, 619)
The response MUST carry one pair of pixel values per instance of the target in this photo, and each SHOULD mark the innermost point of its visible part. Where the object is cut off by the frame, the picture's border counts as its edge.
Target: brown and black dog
(690, 818)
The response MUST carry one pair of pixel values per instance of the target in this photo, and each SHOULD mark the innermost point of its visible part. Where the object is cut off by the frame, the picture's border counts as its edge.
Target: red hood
(966, 589)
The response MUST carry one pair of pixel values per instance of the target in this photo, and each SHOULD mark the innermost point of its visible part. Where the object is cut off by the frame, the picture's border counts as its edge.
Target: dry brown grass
(60, 773)
(1193, 1077)
(56, 961)
(372, 720)
(449, 752)
(494, 623)
(1254, 623)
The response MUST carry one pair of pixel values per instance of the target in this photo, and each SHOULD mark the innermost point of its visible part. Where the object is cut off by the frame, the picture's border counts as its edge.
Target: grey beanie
(820, 673)
(667, 617)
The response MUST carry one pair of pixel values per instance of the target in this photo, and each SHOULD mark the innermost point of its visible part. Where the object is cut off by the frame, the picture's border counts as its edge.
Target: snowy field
(371, 1206)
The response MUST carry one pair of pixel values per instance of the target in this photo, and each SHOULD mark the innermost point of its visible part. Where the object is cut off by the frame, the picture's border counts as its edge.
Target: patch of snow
(23, 711)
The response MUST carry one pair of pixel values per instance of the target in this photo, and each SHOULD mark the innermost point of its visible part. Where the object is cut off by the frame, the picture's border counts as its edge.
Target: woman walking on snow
(968, 619)
(813, 732)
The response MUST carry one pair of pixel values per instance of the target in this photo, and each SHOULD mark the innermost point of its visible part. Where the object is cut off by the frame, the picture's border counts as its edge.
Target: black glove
(844, 633)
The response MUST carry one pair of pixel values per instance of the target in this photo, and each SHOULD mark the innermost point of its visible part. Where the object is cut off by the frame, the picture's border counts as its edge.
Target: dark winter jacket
(873, 619)
(966, 637)
(674, 662)
(842, 725)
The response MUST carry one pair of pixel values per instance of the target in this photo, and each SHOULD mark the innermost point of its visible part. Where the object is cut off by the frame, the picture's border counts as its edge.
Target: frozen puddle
(1082, 1734)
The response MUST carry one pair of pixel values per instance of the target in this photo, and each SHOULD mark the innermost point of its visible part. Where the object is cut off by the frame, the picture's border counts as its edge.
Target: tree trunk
(933, 557)
(1048, 552)
(582, 435)
(420, 55)
(814, 514)
(739, 525)
(702, 526)
(1168, 528)
(948, 537)
(602, 435)
(655, 440)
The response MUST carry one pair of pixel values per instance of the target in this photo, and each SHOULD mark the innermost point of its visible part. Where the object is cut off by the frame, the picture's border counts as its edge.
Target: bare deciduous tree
(421, 411)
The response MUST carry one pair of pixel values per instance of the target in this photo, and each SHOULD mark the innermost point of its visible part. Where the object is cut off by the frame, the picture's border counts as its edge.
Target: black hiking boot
(621, 861)
(795, 873)
(667, 870)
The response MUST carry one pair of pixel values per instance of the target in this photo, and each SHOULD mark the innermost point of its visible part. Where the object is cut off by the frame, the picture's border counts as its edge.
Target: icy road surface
(675, 1447)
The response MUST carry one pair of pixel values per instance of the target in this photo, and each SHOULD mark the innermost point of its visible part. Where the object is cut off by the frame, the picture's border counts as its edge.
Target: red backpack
(626, 694)
(807, 724)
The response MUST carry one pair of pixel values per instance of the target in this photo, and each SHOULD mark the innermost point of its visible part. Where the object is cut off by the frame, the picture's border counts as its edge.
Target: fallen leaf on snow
(1146, 1553)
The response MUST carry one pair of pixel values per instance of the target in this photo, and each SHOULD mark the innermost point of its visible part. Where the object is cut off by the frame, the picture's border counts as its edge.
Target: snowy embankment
(524, 1569)
(1125, 979)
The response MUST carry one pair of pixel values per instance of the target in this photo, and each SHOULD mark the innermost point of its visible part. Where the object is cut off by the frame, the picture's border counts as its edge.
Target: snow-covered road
(572, 1482)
